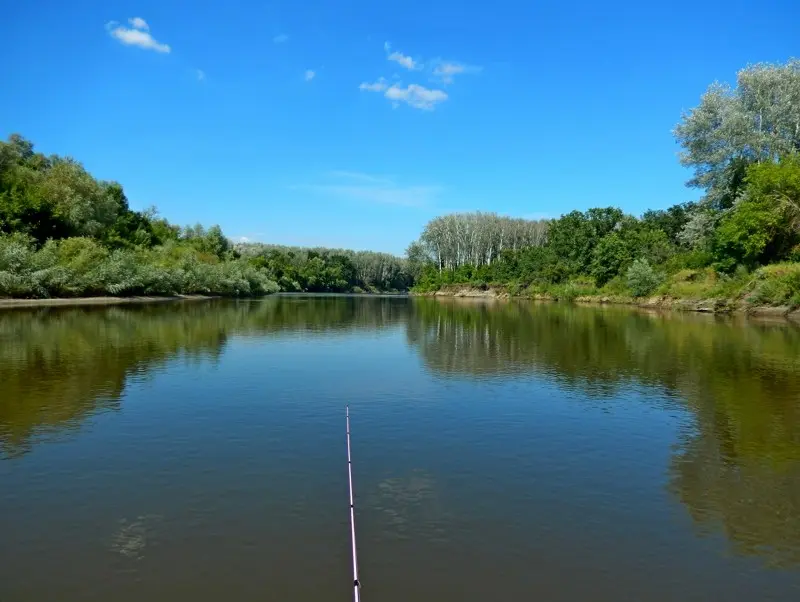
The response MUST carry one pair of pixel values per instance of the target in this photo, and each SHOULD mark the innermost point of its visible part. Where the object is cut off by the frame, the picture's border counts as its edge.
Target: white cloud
(378, 86)
(445, 71)
(309, 75)
(416, 96)
(404, 61)
(200, 74)
(356, 186)
(138, 35)
(139, 23)
(280, 38)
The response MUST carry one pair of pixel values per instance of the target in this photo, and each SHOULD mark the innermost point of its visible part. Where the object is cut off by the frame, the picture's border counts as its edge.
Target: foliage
(733, 128)
(670, 221)
(743, 144)
(777, 284)
(320, 270)
(764, 225)
(477, 239)
(75, 267)
(642, 278)
(65, 234)
(609, 257)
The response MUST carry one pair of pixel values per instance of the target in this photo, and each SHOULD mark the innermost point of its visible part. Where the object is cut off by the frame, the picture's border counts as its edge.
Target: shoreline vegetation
(9, 303)
(66, 235)
(717, 306)
(736, 248)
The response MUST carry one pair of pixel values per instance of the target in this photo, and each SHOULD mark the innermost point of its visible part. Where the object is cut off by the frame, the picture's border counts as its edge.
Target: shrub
(616, 286)
(572, 290)
(81, 266)
(642, 278)
(514, 288)
(691, 260)
(777, 284)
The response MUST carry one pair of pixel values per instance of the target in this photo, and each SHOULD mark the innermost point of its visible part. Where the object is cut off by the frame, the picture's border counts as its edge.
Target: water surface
(501, 451)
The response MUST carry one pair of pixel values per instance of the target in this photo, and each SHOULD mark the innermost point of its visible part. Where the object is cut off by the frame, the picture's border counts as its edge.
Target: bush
(642, 278)
(691, 260)
(514, 288)
(82, 267)
(777, 284)
(573, 289)
(616, 286)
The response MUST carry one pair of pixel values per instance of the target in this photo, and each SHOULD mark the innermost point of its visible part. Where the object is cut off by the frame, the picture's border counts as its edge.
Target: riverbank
(713, 305)
(82, 301)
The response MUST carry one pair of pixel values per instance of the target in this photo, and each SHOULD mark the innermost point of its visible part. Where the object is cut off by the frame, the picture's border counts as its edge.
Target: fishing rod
(356, 582)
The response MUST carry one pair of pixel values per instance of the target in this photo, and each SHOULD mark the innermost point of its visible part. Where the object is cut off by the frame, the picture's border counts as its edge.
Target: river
(501, 451)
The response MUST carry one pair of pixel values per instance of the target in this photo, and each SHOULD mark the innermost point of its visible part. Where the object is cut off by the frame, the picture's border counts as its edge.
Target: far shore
(10, 303)
(708, 306)
(78, 301)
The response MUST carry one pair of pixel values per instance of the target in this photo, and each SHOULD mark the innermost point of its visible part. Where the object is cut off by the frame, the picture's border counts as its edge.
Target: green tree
(610, 256)
(670, 221)
(733, 128)
(642, 278)
(764, 226)
(573, 237)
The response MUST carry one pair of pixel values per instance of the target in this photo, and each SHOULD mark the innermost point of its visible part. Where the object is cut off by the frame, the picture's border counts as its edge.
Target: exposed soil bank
(714, 306)
(10, 303)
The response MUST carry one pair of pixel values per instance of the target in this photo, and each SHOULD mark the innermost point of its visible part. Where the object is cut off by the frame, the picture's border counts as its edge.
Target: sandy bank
(80, 301)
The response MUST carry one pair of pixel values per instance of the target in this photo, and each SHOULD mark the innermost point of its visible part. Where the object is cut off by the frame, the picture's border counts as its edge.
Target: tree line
(742, 142)
(64, 233)
(298, 269)
(477, 239)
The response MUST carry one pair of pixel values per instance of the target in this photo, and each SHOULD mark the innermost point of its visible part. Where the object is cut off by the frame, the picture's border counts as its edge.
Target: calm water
(501, 452)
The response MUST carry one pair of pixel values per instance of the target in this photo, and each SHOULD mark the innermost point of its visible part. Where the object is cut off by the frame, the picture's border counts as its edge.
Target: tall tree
(731, 128)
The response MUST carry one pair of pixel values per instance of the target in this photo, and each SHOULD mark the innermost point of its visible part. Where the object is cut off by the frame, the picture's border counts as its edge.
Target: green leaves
(642, 278)
(764, 226)
(732, 128)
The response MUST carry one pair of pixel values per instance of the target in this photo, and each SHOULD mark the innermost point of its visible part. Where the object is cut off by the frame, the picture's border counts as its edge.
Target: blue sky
(352, 123)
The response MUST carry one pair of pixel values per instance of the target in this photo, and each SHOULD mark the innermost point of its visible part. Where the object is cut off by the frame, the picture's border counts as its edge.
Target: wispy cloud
(359, 176)
(378, 86)
(280, 38)
(138, 34)
(413, 95)
(445, 71)
(357, 186)
(309, 75)
(416, 96)
(200, 75)
(404, 61)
